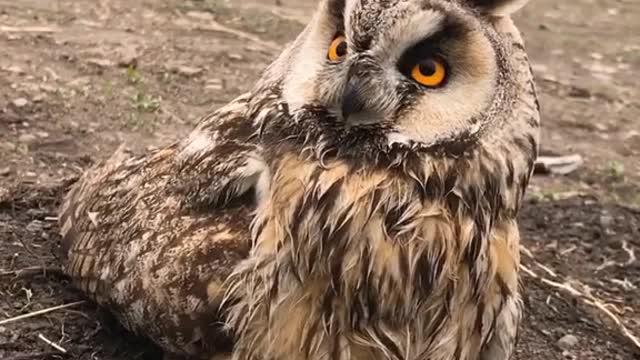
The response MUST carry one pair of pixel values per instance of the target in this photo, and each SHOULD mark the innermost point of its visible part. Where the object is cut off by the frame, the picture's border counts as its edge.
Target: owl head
(369, 76)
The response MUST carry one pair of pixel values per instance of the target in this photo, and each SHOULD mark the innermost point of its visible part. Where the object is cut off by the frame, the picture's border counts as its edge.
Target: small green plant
(166, 78)
(146, 103)
(616, 169)
(137, 121)
(108, 88)
(133, 75)
(142, 101)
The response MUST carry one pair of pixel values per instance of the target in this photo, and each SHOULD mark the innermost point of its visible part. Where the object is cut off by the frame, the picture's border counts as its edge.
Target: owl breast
(354, 263)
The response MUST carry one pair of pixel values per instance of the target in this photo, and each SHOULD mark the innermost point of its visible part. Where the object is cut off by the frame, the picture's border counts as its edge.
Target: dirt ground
(77, 78)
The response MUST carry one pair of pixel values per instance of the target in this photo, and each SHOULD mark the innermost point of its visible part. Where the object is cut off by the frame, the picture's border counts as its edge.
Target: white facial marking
(409, 32)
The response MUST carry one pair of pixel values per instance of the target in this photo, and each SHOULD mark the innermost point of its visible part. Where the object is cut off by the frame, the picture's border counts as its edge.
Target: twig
(546, 269)
(629, 251)
(561, 165)
(36, 356)
(587, 298)
(40, 312)
(214, 26)
(32, 270)
(52, 344)
(29, 29)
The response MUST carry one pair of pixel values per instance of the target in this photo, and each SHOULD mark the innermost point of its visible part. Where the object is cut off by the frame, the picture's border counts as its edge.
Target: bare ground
(69, 95)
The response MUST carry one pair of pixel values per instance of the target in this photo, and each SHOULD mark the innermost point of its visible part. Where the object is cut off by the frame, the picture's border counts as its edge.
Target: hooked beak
(352, 101)
(356, 109)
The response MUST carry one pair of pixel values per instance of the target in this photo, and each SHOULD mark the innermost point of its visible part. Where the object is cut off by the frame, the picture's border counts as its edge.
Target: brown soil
(69, 96)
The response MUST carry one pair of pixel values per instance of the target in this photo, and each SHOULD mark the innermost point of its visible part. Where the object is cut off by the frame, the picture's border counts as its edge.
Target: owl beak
(352, 102)
(356, 110)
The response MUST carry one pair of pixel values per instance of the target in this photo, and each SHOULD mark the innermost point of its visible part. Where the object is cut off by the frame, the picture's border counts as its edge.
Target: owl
(359, 202)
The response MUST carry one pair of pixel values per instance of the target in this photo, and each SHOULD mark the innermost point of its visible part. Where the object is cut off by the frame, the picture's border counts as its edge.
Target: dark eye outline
(441, 73)
(334, 47)
(423, 51)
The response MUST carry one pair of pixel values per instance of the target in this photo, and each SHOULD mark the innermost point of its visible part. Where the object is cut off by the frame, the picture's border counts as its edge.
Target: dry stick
(218, 27)
(37, 356)
(40, 312)
(52, 344)
(28, 29)
(32, 270)
(586, 298)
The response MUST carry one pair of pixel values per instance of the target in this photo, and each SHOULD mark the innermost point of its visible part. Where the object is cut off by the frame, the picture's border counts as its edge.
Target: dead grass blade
(584, 296)
(40, 312)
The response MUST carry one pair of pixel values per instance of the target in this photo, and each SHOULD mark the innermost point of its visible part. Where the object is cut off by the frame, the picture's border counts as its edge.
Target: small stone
(27, 138)
(101, 63)
(20, 102)
(214, 84)
(5, 171)
(567, 342)
(48, 88)
(188, 70)
(606, 220)
(200, 15)
(4, 195)
(39, 98)
(35, 226)
(15, 69)
(235, 56)
(127, 56)
(7, 146)
(632, 136)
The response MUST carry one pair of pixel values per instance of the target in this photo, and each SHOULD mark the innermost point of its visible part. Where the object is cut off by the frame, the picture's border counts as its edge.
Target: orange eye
(338, 49)
(430, 72)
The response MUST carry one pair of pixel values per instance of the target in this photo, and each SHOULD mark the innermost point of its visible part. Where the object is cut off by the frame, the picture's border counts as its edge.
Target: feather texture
(154, 237)
(279, 230)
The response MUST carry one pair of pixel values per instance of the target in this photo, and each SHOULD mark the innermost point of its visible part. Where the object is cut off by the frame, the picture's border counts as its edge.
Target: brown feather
(154, 237)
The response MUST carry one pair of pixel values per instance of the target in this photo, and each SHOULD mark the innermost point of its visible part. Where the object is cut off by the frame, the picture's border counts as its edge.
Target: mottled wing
(154, 237)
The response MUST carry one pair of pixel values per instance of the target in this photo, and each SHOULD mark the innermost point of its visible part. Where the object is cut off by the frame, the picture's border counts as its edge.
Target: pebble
(15, 69)
(102, 63)
(20, 102)
(214, 84)
(35, 226)
(27, 138)
(38, 98)
(200, 15)
(127, 56)
(606, 220)
(5, 171)
(188, 70)
(7, 146)
(568, 341)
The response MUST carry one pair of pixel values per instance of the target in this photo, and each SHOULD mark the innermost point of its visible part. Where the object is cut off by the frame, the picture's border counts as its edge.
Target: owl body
(398, 239)
(355, 263)
(156, 248)
(377, 168)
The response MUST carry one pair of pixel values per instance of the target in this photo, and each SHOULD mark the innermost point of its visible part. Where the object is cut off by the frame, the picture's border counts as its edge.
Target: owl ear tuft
(498, 8)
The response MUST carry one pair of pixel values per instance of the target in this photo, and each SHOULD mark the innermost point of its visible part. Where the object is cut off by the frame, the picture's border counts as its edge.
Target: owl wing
(154, 237)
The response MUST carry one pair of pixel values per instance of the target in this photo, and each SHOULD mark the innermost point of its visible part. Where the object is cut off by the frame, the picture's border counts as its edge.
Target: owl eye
(338, 49)
(430, 72)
